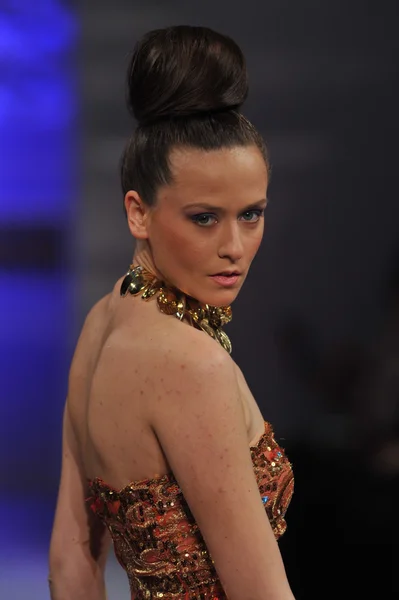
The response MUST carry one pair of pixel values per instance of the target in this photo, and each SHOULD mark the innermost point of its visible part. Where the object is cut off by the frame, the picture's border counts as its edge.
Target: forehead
(238, 172)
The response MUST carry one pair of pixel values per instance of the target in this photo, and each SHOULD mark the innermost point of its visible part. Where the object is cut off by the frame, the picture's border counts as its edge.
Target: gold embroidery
(156, 538)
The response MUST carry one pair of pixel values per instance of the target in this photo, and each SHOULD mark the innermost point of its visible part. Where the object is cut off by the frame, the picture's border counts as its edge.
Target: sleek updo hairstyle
(185, 87)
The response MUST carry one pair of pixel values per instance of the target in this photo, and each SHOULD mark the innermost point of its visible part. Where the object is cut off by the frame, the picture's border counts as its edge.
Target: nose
(230, 242)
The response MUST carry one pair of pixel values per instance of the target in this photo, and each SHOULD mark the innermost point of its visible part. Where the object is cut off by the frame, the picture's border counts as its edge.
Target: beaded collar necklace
(172, 301)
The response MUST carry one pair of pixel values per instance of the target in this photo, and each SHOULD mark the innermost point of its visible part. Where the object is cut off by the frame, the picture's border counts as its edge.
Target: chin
(221, 298)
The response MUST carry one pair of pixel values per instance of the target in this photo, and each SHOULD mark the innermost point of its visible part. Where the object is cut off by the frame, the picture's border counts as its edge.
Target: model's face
(209, 221)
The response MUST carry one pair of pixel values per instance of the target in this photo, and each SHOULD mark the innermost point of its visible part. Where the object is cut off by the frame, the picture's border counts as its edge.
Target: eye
(252, 216)
(203, 219)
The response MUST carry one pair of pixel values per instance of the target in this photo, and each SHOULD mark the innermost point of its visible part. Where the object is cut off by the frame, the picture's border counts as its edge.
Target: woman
(162, 436)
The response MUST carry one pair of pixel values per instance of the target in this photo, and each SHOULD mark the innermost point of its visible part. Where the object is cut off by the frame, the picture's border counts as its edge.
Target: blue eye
(209, 219)
(252, 216)
(203, 219)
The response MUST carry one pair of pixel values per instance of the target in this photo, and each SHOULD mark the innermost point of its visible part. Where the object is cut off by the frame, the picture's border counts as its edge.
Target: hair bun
(182, 71)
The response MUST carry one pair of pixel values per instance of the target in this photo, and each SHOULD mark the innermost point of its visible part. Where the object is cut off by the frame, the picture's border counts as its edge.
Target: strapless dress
(156, 538)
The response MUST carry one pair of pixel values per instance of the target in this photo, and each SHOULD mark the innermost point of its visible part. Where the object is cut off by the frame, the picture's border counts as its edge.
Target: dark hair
(185, 87)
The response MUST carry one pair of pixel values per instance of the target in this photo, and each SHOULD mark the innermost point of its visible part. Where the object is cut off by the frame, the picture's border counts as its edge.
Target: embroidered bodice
(156, 538)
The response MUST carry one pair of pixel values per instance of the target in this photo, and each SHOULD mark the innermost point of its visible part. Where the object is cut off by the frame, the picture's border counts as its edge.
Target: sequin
(157, 540)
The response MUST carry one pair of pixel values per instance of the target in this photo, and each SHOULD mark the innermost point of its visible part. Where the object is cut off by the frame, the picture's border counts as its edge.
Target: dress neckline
(167, 476)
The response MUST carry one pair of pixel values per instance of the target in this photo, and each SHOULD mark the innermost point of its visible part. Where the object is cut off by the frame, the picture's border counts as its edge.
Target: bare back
(113, 421)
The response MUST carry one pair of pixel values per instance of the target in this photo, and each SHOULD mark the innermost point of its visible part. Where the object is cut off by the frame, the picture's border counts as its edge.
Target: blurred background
(315, 330)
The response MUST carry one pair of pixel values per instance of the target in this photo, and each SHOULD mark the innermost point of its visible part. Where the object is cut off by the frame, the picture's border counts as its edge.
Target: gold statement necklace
(172, 301)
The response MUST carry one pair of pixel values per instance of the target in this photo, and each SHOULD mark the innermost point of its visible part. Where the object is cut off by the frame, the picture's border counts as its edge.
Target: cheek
(182, 243)
(255, 241)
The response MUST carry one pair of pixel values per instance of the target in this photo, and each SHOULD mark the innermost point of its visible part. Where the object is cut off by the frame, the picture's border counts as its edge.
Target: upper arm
(76, 534)
(199, 421)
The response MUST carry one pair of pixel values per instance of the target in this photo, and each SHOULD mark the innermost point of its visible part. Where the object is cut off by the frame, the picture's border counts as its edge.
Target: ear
(137, 215)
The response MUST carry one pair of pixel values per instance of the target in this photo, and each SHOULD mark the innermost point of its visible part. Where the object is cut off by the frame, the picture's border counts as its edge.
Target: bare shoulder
(182, 361)
(172, 367)
(97, 312)
(89, 341)
(187, 348)
(190, 386)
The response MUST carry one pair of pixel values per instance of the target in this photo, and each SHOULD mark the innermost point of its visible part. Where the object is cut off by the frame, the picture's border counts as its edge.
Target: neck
(143, 257)
(172, 301)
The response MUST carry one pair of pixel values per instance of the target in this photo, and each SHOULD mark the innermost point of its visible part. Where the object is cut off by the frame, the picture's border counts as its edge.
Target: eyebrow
(207, 206)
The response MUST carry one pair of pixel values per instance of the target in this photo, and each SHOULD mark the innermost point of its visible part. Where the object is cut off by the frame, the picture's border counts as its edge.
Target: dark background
(315, 329)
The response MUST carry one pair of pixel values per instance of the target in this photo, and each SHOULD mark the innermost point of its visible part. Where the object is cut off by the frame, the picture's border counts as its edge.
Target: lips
(226, 280)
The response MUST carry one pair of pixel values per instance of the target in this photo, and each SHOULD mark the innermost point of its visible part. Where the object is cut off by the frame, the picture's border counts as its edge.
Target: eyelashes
(204, 219)
(257, 212)
(209, 219)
